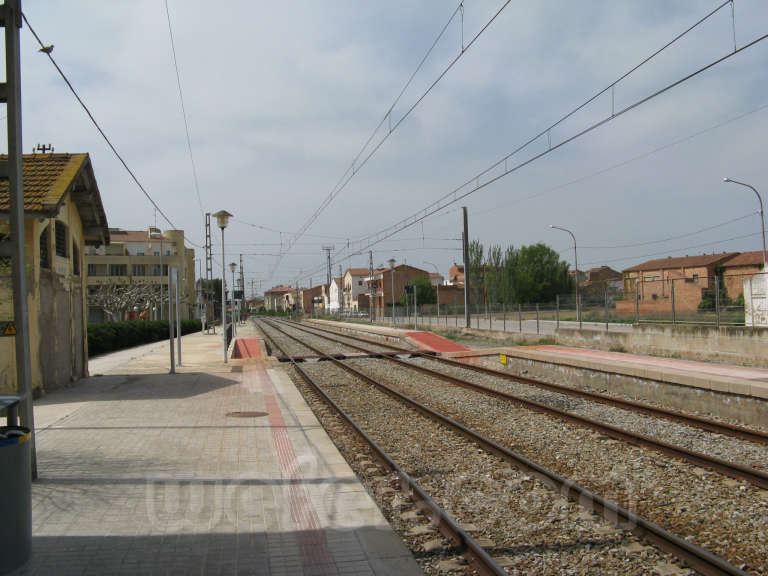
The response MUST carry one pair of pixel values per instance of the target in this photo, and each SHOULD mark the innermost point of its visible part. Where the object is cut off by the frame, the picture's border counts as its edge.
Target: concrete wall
(734, 345)
(745, 409)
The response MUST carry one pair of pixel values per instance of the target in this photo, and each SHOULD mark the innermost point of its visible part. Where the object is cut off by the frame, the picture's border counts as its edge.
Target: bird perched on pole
(46, 49)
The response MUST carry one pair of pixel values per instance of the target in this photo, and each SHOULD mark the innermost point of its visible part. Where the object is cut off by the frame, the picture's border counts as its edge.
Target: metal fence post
(717, 301)
(637, 302)
(557, 311)
(606, 307)
(504, 305)
(537, 318)
(672, 296)
(520, 317)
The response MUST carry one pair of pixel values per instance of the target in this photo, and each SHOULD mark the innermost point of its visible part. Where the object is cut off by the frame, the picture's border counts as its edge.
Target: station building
(63, 214)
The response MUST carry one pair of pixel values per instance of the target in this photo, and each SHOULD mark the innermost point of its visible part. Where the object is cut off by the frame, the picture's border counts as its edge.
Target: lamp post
(392, 263)
(762, 216)
(222, 219)
(437, 291)
(233, 267)
(155, 232)
(576, 264)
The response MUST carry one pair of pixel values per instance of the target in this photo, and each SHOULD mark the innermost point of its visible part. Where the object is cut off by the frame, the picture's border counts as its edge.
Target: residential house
(335, 296)
(130, 276)
(63, 214)
(436, 278)
(652, 282)
(278, 298)
(456, 275)
(601, 280)
(354, 285)
(739, 269)
(388, 278)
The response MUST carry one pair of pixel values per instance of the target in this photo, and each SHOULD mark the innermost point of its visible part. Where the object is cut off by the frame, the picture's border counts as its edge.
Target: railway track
(724, 428)
(694, 556)
(732, 469)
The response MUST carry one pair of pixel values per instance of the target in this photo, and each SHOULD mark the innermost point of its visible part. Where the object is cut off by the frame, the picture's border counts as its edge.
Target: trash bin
(15, 497)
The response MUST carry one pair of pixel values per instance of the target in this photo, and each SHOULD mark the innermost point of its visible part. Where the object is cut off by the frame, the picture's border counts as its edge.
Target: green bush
(110, 336)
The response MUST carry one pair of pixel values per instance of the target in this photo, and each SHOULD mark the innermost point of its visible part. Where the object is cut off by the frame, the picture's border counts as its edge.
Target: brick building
(740, 268)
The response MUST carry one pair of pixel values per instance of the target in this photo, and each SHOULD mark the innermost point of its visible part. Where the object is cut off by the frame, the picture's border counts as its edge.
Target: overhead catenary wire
(183, 110)
(357, 164)
(456, 194)
(101, 131)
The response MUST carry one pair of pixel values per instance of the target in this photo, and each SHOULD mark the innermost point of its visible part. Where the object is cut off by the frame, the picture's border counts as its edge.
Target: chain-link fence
(729, 299)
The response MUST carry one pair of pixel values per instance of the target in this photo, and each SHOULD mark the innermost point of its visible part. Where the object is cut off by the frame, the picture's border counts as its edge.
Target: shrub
(110, 336)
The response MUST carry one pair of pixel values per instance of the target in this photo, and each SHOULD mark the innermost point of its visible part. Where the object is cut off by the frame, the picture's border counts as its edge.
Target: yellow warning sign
(8, 328)
(503, 359)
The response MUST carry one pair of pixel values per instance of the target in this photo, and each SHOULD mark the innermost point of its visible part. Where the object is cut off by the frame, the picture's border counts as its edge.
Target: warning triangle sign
(10, 329)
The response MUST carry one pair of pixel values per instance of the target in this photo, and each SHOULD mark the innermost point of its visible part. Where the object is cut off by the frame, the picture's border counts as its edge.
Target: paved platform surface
(142, 472)
(434, 343)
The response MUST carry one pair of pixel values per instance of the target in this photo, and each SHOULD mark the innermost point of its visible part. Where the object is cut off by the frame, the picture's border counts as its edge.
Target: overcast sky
(281, 96)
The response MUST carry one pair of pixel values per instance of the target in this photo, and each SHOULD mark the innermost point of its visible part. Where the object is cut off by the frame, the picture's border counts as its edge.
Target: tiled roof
(279, 289)
(682, 262)
(46, 179)
(357, 271)
(745, 259)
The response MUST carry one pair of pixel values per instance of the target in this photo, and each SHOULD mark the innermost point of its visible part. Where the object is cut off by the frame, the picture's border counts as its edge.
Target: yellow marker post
(503, 359)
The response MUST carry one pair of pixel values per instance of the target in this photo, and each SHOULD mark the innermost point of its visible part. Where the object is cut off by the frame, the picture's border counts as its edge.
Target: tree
(425, 292)
(117, 299)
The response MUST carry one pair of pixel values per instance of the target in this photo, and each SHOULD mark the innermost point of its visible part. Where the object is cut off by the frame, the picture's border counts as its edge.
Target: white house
(336, 296)
(354, 285)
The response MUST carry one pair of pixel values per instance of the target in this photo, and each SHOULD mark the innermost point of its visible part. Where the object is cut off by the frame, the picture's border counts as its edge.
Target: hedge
(110, 336)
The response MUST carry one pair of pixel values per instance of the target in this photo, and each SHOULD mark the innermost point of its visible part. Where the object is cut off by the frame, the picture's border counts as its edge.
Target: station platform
(724, 378)
(218, 469)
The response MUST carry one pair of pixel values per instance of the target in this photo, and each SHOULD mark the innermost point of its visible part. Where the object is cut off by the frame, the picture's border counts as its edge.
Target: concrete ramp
(434, 343)
(246, 348)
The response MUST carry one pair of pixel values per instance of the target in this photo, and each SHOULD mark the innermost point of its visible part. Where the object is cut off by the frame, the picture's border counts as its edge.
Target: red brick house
(738, 269)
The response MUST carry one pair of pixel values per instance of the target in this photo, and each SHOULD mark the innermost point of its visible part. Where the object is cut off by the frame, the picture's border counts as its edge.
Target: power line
(183, 109)
(675, 250)
(103, 134)
(355, 167)
(456, 194)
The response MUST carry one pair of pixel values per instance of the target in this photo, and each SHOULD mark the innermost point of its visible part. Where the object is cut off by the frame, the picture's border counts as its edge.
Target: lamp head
(232, 266)
(726, 179)
(222, 218)
(551, 225)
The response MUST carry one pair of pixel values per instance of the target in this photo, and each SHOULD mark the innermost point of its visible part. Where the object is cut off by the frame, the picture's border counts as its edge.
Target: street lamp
(157, 232)
(576, 264)
(437, 290)
(233, 267)
(222, 219)
(392, 263)
(762, 216)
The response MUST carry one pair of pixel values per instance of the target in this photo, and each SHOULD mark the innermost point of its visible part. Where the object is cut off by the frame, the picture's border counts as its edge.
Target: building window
(45, 260)
(155, 270)
(61, 239)
(157, 253)
(139, 270)
(359, 282)
(75, 260)
(695, 277)
(118, 270)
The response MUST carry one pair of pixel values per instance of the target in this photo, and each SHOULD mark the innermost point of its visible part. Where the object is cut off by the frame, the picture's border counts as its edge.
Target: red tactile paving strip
(435, 343)
(316, 557)
(246, 348)
(726, 370)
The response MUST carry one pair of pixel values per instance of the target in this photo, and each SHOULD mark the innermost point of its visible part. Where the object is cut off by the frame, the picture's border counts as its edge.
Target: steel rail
(696, 557)
(698, 458)
(735, 431)
(477, 556)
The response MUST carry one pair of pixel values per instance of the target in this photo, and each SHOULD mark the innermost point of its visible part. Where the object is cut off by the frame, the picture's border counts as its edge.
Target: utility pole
(242, 287)
(328, 250)
(11, 95)
(372, 291)
(465, 249)
(208, 294)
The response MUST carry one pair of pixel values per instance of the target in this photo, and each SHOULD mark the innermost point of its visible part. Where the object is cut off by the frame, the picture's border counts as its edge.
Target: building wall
(57, 308)
(335, 297)
(403, 276)
(734, 279)
(655, 289)
(353, 287)
(125, 253)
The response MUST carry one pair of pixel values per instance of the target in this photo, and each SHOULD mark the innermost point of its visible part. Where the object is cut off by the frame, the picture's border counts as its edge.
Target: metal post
(751, 302)
(465, 248)
(520, 317)
(557, 311)
(637, 302)
(672, 296)
(717, 301)
(12, 12)
(392, 274)
(415, 308)
(606, 306)
(537, 318)
(178, 319)
(504, 307)
(223, 296)
(232, 303)
(170, 320)
(161, 276)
